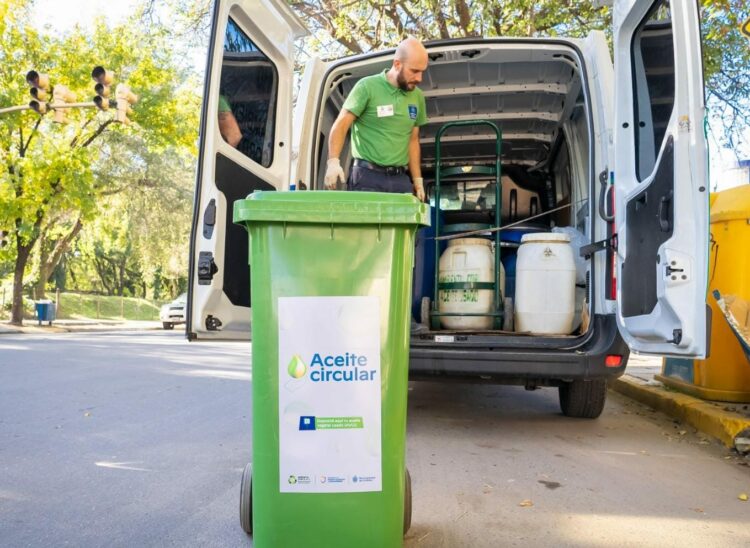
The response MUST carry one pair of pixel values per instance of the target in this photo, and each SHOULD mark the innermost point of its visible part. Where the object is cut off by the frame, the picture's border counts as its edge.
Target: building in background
(737, 175)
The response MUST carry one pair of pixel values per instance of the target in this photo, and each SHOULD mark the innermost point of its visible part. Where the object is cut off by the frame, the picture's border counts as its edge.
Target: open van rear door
(306, 115)
(245, 145)
(660, 177)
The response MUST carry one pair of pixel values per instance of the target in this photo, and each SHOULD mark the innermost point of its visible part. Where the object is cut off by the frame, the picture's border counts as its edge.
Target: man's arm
(339, 130)
(415, 164)
(338, 133)
(229, 128)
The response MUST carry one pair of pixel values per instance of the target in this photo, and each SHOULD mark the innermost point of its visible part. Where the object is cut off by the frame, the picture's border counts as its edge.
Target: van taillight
(613, 360)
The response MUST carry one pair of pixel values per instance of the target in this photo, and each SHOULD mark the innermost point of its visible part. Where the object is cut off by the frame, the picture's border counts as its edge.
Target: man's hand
(419, 188)
(334, 174)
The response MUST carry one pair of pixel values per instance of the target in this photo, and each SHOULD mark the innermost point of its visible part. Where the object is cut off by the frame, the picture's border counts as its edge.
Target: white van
(576, 132)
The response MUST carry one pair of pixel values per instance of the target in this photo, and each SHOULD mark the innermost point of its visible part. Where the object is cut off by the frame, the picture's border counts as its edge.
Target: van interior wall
(536, 99)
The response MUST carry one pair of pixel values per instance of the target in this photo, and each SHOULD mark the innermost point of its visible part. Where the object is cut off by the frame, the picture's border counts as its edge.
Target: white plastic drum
(545, 284)
(467, 260)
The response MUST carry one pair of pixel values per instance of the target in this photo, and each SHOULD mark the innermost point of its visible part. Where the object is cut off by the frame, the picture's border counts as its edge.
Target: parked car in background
(173, 313)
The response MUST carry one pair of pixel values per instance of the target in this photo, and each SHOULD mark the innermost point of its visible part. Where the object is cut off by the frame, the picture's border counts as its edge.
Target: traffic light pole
(50, 106)
(19, 108)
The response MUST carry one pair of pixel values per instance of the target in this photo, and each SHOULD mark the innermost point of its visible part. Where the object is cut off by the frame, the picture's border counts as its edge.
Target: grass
(80, 306)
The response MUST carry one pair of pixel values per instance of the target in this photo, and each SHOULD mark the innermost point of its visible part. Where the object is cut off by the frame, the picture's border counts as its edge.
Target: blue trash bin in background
(45, 311)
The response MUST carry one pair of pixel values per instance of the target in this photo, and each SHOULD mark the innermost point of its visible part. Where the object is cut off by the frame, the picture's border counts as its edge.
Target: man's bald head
(410, 49)
(409, 62)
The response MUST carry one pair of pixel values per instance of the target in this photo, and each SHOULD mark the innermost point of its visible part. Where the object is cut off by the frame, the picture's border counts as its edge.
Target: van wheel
(583, 399)
(407, 502)
(167, 325)
(246, 499)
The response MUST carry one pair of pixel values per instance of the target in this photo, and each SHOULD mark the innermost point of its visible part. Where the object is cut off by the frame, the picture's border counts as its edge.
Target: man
(384, 112)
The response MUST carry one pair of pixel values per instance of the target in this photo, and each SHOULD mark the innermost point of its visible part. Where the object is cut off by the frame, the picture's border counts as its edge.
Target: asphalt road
(139, 439)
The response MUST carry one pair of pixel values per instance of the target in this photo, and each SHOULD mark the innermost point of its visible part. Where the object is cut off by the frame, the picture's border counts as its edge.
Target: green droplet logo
(297, 367)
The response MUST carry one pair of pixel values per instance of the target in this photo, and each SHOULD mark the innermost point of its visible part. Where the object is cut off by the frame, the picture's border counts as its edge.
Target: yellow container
(725, 375)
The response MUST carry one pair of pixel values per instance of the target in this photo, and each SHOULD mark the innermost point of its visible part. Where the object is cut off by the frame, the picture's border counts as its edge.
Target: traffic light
(60, 96)
(39, 91)
(3, 238)
(103, 79)
(125, 98)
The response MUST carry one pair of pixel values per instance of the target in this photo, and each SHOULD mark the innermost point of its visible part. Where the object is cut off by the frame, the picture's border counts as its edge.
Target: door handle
(665, 224)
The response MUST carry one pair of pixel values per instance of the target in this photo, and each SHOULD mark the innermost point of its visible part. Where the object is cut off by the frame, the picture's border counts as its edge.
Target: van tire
(167, 325)
(583, 399)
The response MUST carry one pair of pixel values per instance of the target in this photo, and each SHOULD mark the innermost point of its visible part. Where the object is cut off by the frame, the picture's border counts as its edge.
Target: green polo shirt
(386, 116)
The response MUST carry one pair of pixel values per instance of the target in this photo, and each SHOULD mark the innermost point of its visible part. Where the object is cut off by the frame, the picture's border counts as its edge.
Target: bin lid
(546, 237)
(731, 205)
(331, 207)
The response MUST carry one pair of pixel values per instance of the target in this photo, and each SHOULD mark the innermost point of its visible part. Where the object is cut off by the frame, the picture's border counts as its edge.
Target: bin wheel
(167, 325)
(407, 502)
(246, 499)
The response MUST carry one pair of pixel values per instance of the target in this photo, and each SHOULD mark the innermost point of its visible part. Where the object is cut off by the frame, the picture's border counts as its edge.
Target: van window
(653, 68)
(248, 89)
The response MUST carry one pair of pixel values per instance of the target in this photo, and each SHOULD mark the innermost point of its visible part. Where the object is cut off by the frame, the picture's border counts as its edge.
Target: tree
(48, 169)
(345, 27)
(342, 27)
(726, 57)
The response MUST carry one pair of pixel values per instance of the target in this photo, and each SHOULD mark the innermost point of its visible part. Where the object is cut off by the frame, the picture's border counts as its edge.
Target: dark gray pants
(369, 180)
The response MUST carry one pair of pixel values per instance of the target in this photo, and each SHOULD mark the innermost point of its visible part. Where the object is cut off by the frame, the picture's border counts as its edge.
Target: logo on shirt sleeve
(413, 112)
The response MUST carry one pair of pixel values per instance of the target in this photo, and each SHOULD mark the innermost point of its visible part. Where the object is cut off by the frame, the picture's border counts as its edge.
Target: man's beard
(402, 83)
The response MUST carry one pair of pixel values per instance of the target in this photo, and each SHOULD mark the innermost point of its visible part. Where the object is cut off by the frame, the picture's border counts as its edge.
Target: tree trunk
(40, 288)
(22, 257)
(49, 260)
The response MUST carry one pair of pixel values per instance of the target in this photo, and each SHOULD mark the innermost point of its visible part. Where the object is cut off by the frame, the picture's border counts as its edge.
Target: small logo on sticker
(297, 368)
(413, 112)
(292, 480)
(307, 423)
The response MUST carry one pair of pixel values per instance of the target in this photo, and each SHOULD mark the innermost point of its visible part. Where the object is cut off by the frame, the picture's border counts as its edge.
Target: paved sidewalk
(728, 422)
(67, 326)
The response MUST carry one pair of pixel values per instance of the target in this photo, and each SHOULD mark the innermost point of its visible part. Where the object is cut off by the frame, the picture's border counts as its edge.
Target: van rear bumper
(526, 366)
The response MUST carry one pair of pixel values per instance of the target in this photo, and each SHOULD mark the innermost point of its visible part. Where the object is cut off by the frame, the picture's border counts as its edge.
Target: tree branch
(442, 25)
(80, 132)
(464, 18)
(322, 20)
(33, 132)
(96, 134)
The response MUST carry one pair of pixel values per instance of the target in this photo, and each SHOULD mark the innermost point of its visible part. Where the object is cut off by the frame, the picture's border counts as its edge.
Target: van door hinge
(206, 268)
(588, 250)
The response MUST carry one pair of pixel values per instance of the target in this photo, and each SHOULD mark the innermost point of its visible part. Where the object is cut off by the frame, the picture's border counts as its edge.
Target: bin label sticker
(329, 395)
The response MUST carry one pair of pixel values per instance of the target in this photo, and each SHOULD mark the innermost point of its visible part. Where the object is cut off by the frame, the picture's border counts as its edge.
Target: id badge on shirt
(385, 110)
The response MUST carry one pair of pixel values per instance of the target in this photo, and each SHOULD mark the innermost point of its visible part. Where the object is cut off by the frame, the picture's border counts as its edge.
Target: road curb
(708, 417)
(33, 329)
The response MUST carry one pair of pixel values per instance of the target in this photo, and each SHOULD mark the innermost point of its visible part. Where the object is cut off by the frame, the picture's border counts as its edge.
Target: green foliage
(57, 178)
(726, 58)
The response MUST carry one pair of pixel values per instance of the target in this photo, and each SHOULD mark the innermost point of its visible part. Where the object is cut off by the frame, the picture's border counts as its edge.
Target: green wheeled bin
(331, 276)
